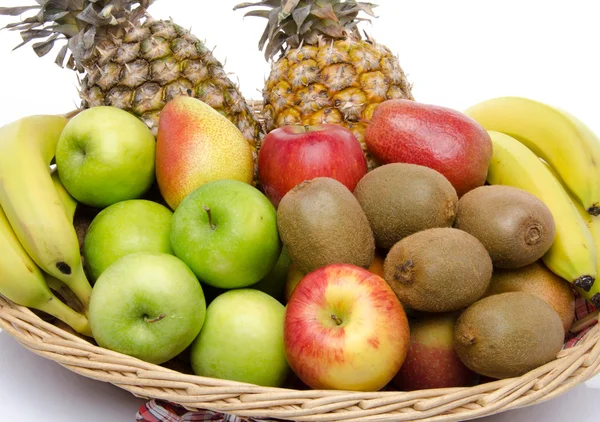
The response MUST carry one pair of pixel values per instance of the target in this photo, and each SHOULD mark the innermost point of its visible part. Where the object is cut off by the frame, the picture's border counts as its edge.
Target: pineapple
(326, 72)
(131, 61)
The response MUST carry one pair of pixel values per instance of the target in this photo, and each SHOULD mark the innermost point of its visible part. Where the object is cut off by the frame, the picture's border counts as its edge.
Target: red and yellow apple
(431, 361)
(292, 154)
(446, 140)
(196, 145)
(345, 329)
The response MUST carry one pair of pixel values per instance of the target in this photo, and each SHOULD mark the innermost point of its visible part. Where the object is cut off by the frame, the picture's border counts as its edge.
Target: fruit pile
(361, 241)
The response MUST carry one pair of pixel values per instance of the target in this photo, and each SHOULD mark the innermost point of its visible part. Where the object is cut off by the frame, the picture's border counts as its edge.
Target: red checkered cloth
(161, 411)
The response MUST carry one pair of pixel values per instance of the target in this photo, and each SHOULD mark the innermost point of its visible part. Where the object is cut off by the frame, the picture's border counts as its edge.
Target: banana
(33, 206)
(593, 223)
(69, 203)
(573, 254)
(554, 135)
(22, 282)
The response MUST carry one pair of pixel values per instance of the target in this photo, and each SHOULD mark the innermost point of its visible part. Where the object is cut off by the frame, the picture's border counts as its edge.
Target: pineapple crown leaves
(295, 22)
(81, 22)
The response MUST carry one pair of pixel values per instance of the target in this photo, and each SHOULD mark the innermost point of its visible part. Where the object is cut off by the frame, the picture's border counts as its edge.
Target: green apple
(136, 225)
(147, 305)
(226, 232)
(106, 155)
(242, 339)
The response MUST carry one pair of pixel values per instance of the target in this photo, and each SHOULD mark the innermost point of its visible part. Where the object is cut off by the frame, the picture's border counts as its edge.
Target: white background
(456, 53)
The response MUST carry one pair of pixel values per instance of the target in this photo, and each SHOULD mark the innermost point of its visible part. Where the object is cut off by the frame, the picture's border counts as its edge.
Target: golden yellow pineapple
(132, 61)
(326, 72)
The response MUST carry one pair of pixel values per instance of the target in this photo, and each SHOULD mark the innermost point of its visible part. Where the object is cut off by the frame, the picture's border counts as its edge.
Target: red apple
(345, 329)
(446, 140)
(290, 155)
(431, 361)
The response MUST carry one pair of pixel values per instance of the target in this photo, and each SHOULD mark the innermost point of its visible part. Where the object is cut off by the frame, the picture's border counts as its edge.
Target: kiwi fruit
(400, 199)
(515, 226)
(320, 222)
(438, 270)
(537, 279)
(508, 334)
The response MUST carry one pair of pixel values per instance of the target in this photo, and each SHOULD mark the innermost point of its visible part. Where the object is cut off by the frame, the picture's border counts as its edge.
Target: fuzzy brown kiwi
(508, 335)
(515, 226)
(400, 199)
(320, 222)
(537, 279)
(438, 270)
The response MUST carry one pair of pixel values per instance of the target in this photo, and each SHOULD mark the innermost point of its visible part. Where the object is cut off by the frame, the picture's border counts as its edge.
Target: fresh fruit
(133, 61)
(226, 232)
(147, 305)
(593, 224)
(124, 228)
(345, 329)
(320, 222)
(431, 361)
(69, 203)
(327, 72)
(441, 138)
(31, 203)
(573, 254)
(508, 334)
(294, 275)
(292, 279)
(438, 270)
(556, 136)
(197, 145)
(274, 283)
(22, 282)
(514, 225)
(105, 155)
(242, 340)
(292, 154)
(538, 280)
(376, 266)
(401, 199)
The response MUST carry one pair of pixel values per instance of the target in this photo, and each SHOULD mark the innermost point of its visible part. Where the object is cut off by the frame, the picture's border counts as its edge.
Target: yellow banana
(554, 135)
(33, 206)
(573, 255)
(69, 203)
(593, 223)
(22, 282)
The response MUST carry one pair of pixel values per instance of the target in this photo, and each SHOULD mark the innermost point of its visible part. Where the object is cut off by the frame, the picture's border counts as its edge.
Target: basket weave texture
(573, 366)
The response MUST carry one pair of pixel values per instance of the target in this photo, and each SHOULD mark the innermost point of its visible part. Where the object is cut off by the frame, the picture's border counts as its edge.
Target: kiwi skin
(515, 226)
(438, 270)
(320, 222)
(537, 279)
(508, 334)
(400, 199)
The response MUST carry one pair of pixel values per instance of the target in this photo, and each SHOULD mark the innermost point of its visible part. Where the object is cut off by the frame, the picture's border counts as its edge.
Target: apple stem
(212, 226)
(306, 128)
(336, 319)
(152, 321)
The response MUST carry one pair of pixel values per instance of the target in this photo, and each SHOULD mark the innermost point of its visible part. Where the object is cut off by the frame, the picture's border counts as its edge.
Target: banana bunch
(38, 242)
(554, 135)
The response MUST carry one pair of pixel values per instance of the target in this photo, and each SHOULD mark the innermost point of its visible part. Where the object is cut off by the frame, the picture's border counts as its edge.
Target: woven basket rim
(572, 367)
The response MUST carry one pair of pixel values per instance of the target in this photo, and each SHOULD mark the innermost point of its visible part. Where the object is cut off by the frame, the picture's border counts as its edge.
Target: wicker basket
(573, 366)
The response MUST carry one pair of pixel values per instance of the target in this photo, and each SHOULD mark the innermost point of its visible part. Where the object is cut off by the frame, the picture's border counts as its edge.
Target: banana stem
(80, 285)
(59, 310)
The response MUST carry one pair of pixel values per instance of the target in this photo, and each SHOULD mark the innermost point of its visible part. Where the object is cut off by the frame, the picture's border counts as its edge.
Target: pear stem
(212, 226)
(336, 319)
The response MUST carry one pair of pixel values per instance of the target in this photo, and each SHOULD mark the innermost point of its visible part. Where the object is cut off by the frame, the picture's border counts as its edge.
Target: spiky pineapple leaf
(270, 3)
(299, 15)
(324, 12)
(16, 11)
(287, 7)
(44, 47)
